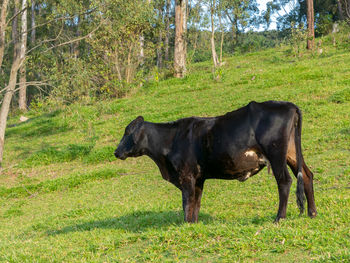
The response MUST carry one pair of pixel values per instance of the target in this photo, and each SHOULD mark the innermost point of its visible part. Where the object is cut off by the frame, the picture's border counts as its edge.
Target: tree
(33, 33)
(10, 89)
(213, 7)
(180, 38)
(310, 24)
(161, 16)
(167, 31)
(344, 9)
(22, 76)
(3, 23)
(241, 14)
(18, 43)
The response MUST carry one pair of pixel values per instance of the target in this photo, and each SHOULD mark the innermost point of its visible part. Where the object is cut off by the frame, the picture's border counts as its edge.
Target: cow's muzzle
(118, 155)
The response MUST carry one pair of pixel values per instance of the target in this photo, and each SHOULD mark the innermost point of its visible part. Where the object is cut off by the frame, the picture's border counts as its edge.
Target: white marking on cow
(199, 169)
(247, 175)
(266, 161)
(249, 153)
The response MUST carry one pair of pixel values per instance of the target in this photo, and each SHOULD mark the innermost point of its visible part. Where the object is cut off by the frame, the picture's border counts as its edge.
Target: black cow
(236, 145)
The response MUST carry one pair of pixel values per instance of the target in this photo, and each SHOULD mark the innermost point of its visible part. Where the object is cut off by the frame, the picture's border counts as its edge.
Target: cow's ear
(139, 119)
(137, 129)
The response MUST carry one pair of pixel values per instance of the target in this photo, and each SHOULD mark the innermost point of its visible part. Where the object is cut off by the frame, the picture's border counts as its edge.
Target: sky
(262, 7)
(262, 3)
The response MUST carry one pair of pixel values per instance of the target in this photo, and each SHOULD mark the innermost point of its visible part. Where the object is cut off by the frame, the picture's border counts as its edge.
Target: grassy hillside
(64, 197)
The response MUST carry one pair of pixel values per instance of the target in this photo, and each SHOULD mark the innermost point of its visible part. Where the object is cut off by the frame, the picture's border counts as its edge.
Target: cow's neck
(159, 139)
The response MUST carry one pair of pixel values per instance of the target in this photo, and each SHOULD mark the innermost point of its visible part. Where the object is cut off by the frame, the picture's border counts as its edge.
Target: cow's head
(133, 142)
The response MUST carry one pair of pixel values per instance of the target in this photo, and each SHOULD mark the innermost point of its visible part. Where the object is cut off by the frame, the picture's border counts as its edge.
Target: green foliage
(255, 41)
(298, 39)
(74, 83)
(324, 25)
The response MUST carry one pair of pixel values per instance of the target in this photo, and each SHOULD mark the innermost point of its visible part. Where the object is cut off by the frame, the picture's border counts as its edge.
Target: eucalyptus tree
(22, 101)
(310, 24)
(51, 33)
(344, 9)
(3, 23)
(241, 14)
(116, 53)
(180, 38)
(213, 6)
(10, 88)
(167, 31)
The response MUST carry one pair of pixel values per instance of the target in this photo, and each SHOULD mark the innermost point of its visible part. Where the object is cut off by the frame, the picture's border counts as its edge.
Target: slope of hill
(64, 197)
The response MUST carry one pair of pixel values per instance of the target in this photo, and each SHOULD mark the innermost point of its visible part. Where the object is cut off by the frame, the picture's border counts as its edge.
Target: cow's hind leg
(309, 191)
(308, 185)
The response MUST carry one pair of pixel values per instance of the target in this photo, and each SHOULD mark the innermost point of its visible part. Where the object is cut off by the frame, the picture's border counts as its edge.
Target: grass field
(64, 197)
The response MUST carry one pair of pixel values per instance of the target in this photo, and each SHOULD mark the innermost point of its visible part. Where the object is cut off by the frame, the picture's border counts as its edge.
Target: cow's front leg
(284, 182)
(188, 200)
(198, 197)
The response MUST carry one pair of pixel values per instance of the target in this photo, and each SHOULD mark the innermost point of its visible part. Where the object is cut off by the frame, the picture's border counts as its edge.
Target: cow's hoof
(278, 218)
(312, 214)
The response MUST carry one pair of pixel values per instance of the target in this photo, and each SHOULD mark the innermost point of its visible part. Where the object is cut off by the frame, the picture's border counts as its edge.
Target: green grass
(64, 198)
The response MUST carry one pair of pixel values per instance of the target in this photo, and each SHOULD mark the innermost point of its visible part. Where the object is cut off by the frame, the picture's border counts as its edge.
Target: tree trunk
(14, 35)
(33, 34)
(234, 34)
(22, 78)
(344, 9)
(185, 11)
(167, 32)
(142, 43)
(128, 72)
(76, 51)
(159, 51)
(5, 107)
(310, 24)
(117, 65)
(212, 39)
(222, 37)
(340, 10)
(180, 45)
(159, 46)
(3, 15)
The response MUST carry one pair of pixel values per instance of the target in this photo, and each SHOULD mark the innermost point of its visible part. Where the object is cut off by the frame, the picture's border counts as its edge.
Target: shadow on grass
(260, 220)
(44, 125)
(136, 222)
(50, 154)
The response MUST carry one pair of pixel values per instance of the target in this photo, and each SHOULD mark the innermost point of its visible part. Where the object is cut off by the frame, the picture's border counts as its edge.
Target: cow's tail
(299, 159)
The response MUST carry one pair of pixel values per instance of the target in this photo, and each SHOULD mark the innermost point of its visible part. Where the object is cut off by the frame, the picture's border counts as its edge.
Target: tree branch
(61, 18)
(15, 15)
(76, 39)
(29, 83)
(46, 41)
